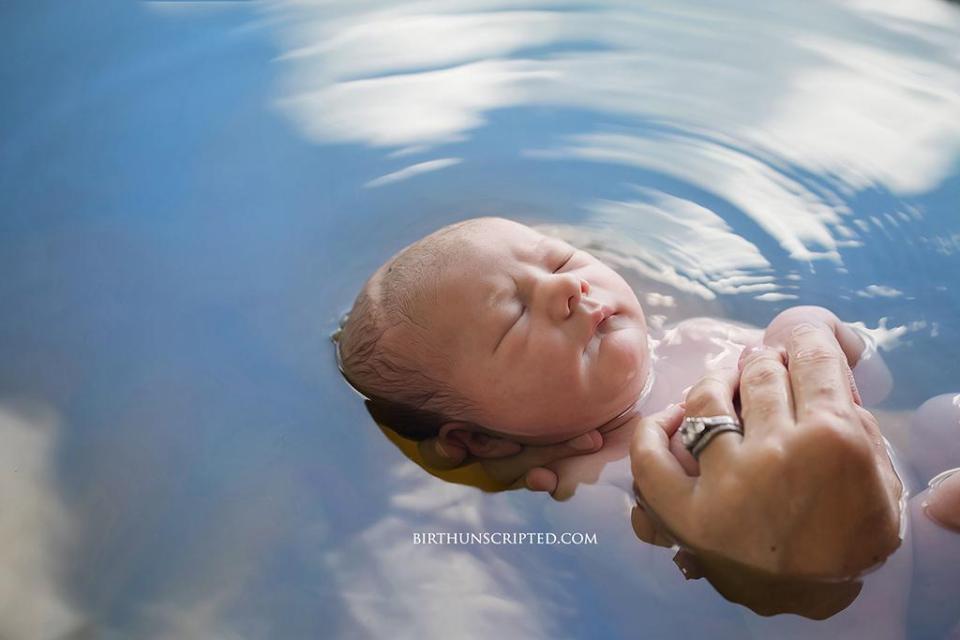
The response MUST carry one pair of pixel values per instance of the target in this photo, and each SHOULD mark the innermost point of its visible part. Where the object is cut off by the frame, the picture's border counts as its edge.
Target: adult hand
(808, 491)
(516, 466)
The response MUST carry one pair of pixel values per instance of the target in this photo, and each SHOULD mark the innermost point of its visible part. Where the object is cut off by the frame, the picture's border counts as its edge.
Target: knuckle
(823, 425)
(767, 353)
(834, 438)
(833, 418)
(709, 394)
(825, 396)
(816, 355)
(701, 404)
(711, 384)
(762, 372)
(771, 455)
(804, 329)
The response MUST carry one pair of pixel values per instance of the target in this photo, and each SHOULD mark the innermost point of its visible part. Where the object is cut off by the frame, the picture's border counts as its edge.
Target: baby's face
(546, 340)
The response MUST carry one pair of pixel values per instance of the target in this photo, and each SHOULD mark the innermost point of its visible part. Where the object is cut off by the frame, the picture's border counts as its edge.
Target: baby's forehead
(495, 245)
(483, 273)
(487, 258)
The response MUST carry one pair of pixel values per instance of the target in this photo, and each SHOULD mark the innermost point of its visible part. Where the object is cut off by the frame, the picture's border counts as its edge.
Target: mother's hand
(508, 463)
(808, 490)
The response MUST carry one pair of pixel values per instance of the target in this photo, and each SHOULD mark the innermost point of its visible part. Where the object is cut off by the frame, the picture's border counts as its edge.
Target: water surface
(192, 194)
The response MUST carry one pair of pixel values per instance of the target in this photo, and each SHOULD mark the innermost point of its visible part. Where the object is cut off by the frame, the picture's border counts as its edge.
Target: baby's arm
(872, 377)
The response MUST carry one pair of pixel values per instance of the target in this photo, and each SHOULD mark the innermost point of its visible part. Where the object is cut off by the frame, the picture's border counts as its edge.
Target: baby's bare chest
(684, 352)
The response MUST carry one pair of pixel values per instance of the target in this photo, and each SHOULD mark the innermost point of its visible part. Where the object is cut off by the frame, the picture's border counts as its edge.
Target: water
(192, 194)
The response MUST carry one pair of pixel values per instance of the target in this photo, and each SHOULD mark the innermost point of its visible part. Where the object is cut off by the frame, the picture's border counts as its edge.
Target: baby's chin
(624, 364)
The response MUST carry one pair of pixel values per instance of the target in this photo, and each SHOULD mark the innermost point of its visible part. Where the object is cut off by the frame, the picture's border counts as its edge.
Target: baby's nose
(569, 289)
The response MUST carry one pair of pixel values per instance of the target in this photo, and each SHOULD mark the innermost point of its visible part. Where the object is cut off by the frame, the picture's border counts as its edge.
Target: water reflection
(776, 118)
(753, 136)
(460, 591)
(770, 595)
(185, 219)
(413, 170)
(798, 219)
(650, 237)
(848, 100)
(36, 529)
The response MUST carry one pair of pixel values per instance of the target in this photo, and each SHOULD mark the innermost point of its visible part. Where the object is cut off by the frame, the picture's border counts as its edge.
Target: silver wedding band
(698, 431)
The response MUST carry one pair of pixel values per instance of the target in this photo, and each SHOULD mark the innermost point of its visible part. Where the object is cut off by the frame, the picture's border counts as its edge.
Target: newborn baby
(489, 340)
(489, 336)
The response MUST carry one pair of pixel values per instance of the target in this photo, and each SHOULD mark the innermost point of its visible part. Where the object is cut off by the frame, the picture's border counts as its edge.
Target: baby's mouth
(599, 317)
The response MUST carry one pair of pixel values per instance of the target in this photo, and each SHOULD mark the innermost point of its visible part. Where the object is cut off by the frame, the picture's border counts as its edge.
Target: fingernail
(440, 450)
(583, 442)
(803, 327)
(938, 479)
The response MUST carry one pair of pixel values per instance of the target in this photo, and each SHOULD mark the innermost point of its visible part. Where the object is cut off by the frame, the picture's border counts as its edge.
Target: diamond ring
(697, 432)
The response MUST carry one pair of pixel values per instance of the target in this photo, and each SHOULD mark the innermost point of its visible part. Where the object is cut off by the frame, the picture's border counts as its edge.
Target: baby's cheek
(623, 358)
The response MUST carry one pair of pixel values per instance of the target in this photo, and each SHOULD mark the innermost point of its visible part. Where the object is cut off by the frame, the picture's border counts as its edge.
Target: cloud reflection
(442, 591)
(740, 105)
(413, 170)
(793, 216)
(652, 239)
(35, 527)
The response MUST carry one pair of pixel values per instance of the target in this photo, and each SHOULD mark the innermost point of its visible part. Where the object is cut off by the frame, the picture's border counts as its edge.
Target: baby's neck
(634, 410)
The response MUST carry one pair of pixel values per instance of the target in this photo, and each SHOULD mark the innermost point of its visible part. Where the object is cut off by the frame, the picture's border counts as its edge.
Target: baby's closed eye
(565, 261)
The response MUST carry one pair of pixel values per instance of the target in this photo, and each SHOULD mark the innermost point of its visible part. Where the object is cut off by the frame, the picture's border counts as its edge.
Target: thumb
(658, 476)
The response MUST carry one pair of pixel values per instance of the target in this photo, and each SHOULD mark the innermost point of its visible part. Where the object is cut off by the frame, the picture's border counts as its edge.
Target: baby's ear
(442, 451)
(465, 437)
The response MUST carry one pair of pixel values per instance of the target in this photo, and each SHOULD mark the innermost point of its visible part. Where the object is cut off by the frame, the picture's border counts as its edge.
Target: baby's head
(489, 325)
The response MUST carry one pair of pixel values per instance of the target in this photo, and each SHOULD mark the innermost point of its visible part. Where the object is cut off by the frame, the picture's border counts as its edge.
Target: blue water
(191, 193)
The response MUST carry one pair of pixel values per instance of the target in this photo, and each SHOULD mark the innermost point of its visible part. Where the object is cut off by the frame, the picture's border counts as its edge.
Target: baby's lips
(598, 315)
(587, 441)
